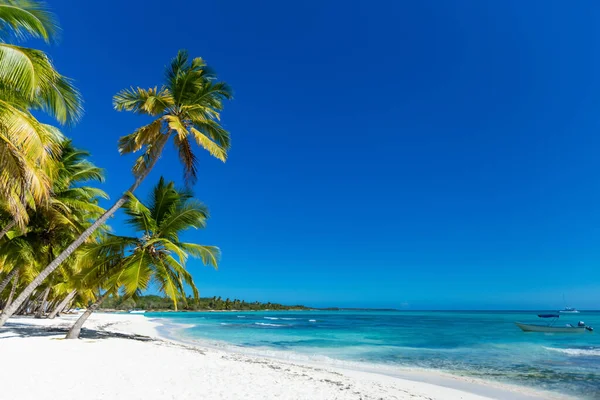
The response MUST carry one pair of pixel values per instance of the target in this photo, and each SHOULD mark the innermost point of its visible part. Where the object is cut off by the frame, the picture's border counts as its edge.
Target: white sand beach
(109, 363)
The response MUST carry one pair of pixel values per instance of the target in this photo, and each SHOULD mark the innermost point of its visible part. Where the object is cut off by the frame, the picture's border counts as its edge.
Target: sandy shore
(109, 363)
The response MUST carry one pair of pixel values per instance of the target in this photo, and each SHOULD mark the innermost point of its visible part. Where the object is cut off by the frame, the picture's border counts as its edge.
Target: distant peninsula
(159, 303)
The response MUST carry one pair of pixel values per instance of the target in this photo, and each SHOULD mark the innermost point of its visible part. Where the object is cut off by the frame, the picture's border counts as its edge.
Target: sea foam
(577, 352)
(266, 324)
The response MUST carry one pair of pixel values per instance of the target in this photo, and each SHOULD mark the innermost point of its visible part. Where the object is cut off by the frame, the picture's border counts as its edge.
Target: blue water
(480, 344)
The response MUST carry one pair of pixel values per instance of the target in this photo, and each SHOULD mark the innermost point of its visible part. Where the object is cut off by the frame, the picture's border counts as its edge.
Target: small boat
(137, 311)
(569, 310)
(551, 327)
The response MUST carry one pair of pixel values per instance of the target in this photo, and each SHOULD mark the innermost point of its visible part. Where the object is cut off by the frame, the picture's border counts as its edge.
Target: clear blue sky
(423, 154)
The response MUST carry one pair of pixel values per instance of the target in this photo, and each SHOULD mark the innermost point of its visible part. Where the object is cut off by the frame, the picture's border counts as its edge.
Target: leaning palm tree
(52, 227)
(186, 109)
(29, 81)
(156, 254)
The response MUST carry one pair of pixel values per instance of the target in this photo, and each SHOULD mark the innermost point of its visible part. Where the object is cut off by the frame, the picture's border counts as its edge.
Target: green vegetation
(28, 81)
(158, 303)
(56, 251)
(127, 264)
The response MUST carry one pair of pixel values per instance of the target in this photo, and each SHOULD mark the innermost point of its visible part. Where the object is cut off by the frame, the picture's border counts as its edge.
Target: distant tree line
(158, 303)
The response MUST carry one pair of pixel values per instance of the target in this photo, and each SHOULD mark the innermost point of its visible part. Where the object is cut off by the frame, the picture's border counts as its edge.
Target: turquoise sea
(482, 344)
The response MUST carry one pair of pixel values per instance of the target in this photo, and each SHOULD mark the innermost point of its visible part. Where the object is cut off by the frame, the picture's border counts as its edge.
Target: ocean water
(479, 344)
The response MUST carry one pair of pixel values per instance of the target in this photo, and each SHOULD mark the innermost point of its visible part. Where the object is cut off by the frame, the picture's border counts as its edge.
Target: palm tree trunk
(42, 307)
(7, 279)
(62, 304)
(68, 307)
(13, 289)
(33, 304)
(50, 305)
(9, 311)
(76, 329)
(25, 303)
(7, 228)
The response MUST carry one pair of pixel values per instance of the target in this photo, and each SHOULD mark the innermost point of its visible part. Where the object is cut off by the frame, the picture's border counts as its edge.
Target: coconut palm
(28, 80)
(187, 109)
(156, 254)
(53, 227)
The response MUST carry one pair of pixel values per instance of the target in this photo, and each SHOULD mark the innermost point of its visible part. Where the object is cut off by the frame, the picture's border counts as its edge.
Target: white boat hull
(551, 329)
(569, 312)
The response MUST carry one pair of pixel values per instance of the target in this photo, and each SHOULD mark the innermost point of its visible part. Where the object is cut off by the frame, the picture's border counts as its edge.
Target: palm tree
(187, 106)
(52, 227)
(156, 254)
(29, 81)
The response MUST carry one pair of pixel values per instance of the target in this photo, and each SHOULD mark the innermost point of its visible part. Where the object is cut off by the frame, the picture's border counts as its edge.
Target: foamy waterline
(447, 378)
(267, 324)
(589, 352)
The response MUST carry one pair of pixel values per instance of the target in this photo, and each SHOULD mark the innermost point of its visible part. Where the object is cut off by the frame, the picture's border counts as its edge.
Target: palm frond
(26, 18)
(208, 254)
(215, 131)
(61, 100)
(151, 153)
(140, 216)
(136, 273)
(30, 73)
(86, 193)
(182, 273)
(187, 158)
(170, 247)
(151, 101)
(143, 136)
(211, 95)
(168, 281)
(207, 144)
(162, 198)
(191, 214)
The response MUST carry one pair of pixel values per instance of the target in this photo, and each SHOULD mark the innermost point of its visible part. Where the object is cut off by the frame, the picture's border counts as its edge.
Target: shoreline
(478, 386)
(178, 369)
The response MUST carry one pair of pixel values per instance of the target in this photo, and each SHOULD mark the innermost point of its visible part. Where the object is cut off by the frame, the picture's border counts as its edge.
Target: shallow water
(480, 344)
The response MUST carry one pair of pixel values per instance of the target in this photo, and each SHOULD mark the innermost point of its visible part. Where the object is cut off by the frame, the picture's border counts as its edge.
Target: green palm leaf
(208, 254)
(152, 101)
(22, 19)
(30, 72)
(191, 214)
(139, 215)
